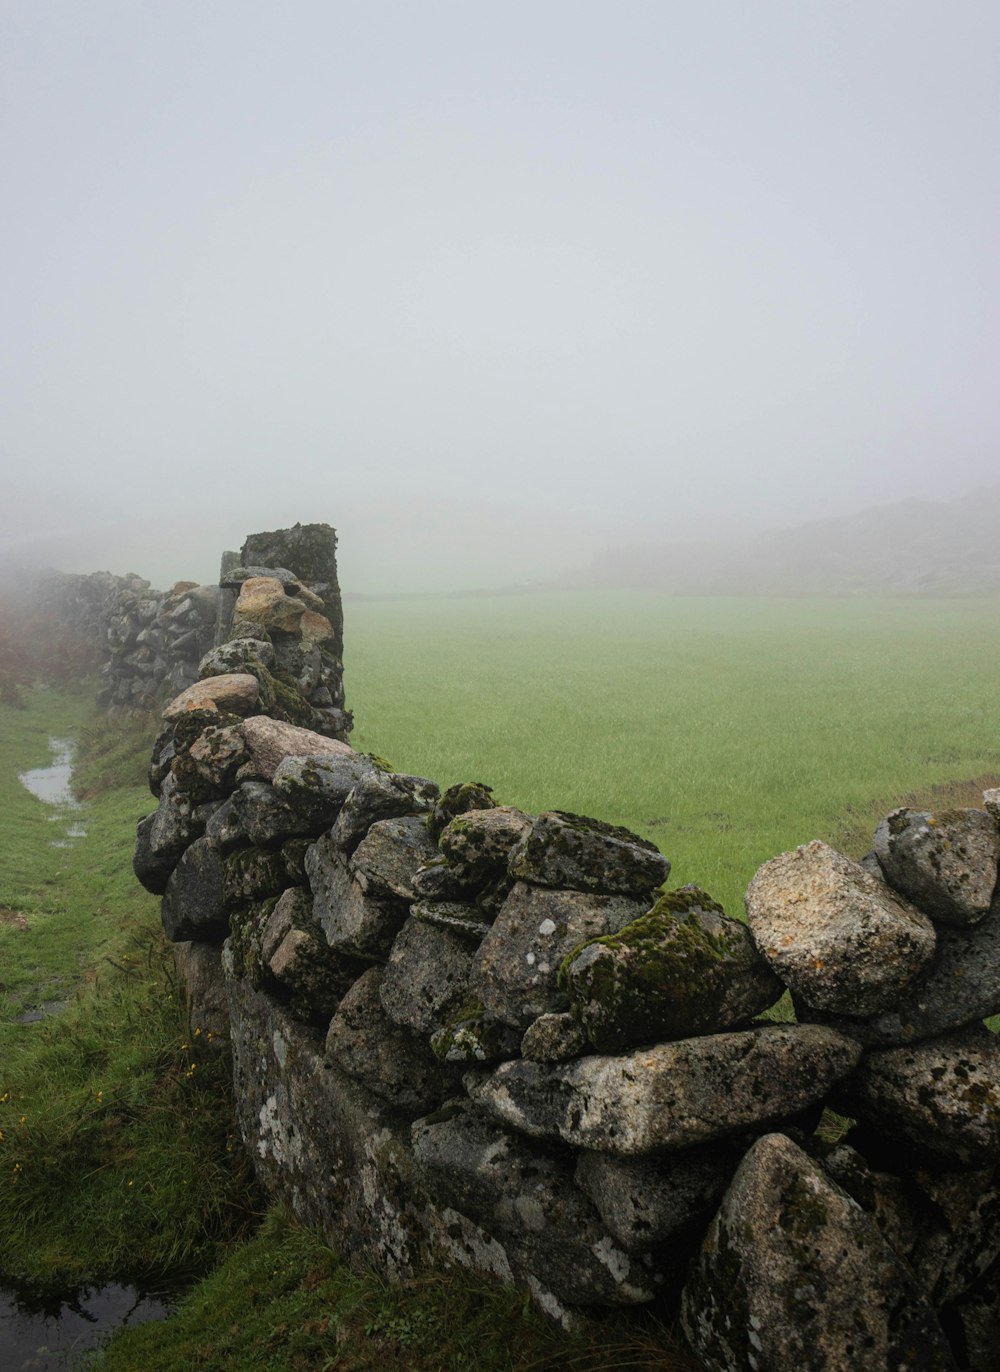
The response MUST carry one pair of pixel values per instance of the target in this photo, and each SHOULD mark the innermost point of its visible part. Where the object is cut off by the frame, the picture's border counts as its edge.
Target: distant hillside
(913, 548)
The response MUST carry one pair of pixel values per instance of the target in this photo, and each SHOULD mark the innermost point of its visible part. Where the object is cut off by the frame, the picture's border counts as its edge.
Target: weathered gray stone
(320, 783)
(238, 655)
(353, 921)
(528, 1201)
(960, 986)
(438, 882)
(341, 1158)
(950, 1258)
(941, 1097)
(517, 965)
(684, 968)
(553, 1038)
(203, 985)
(991, 803)
(194, 903)
(477, 844)
(455, 916)
(582, 854)
(381, 795)
(840, 939)
(225, 827)
(387, 858)
(251, 874)
(269, 741)
(209, 766)
(427, 977)
(944, 861)
(886, 1197)
(293, 910)
(162, 837)
(391, 1061)
(315, 977)
(234, 692)
(233, 578)
(646, 1201)
(673, 1095)
(268, 817)
(794, 1274)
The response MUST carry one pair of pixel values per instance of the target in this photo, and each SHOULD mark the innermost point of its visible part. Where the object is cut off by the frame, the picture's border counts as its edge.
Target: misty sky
(488, 284)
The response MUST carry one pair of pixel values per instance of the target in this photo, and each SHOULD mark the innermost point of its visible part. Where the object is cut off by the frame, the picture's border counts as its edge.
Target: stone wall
(151, 643)
(467, 1036)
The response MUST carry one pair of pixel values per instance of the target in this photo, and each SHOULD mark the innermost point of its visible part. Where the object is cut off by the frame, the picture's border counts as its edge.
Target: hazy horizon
(488, 290)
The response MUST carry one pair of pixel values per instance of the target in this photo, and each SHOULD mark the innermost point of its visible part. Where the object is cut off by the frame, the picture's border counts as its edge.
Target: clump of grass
(284, 1301)
(114, 753)
(117, 1155)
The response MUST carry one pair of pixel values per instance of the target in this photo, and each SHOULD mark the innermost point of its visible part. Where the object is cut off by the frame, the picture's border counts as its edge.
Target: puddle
(52, 785)
(35, 1013)
(39, 1330)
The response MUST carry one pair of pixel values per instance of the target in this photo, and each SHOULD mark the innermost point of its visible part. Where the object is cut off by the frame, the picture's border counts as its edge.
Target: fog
(488, 287)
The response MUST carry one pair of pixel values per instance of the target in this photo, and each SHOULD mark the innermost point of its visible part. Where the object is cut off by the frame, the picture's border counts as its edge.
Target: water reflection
(40, 1329)
(52, 785)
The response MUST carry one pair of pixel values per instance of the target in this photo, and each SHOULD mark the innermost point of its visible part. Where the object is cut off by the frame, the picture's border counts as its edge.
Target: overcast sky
(484, 284)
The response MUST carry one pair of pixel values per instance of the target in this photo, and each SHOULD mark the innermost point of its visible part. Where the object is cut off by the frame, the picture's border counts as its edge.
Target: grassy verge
(116, 1155)
(283, 1303)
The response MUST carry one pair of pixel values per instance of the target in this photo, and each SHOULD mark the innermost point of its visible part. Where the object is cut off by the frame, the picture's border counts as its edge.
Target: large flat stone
(269, 741)
(575, 852)
(235, 692)
(527, 1199)
(673, 1095)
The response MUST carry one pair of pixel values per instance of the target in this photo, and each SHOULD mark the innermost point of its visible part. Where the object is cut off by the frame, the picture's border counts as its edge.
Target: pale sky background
(488, 285)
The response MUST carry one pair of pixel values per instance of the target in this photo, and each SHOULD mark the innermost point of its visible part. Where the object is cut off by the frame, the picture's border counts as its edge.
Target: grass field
(724, 730)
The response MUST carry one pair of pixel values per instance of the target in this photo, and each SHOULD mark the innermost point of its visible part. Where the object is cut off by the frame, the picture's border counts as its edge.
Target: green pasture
(725, 730)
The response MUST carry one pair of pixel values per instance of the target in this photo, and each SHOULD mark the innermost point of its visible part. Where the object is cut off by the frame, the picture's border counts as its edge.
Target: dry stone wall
(463, 1035)
(152, 643)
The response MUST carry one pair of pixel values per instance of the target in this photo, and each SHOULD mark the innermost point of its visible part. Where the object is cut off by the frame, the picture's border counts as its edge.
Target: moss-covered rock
(472, 1037)
(684, 968)
(458, 800)
(477, 844)
(250, 874)
(575, 852)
